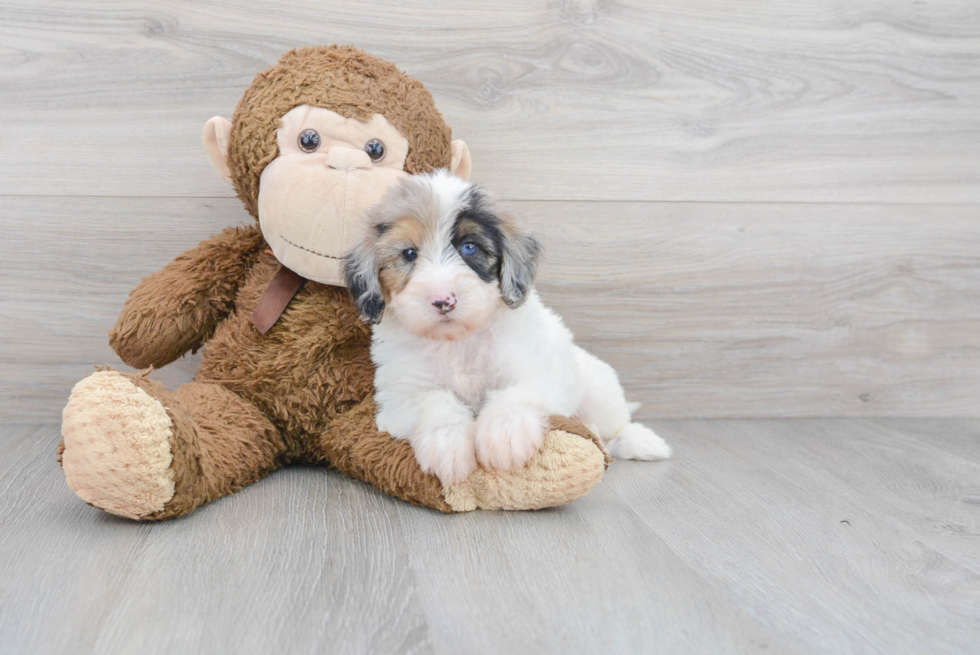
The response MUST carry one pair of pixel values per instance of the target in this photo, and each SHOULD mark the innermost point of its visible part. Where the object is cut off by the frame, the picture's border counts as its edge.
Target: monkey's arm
(177, 308)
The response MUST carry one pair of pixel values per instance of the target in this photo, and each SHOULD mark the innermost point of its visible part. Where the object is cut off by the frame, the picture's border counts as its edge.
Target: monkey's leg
(569, 465)
(132, 448)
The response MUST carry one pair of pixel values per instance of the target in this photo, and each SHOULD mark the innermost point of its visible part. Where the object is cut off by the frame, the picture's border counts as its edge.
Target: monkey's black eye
(410, 254)
(309, 140)
(375, 149)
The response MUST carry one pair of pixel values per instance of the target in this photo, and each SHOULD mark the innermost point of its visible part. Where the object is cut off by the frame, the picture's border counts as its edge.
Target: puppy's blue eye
(410, 254)
(469, 248)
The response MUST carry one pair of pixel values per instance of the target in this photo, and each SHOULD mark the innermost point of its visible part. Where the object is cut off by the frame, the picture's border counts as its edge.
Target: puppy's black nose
(445, 305)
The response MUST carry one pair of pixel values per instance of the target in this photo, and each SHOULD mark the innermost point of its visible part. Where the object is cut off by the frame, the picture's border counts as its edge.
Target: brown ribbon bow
(275, 299)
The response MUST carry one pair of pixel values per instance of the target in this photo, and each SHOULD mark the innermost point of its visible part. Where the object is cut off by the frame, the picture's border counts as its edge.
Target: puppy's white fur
(479, 383)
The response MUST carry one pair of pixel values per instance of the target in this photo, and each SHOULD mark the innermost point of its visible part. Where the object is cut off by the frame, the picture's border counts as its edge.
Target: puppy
(470, 364)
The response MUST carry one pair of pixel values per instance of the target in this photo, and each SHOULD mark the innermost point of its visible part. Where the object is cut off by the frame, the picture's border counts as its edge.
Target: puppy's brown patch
(393, 278)
(404, 232)
(394, 271)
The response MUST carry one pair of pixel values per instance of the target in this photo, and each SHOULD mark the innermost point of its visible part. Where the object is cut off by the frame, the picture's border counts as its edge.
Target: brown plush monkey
(286, 374)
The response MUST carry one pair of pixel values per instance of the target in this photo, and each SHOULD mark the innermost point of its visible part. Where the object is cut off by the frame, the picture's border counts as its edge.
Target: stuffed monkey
(286, 374)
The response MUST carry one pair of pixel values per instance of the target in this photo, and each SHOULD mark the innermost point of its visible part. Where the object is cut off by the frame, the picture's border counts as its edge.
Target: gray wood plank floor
(778, 536)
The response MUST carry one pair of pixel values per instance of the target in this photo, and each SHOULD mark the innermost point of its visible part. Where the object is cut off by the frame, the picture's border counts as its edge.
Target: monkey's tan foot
(117, 446)
(569, 465)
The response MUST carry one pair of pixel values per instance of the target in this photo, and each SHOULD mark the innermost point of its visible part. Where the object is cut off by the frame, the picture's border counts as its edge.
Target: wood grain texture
(771, 309)
(764, 210)
(870, 101)
(960, 437)
(768, 536)
(302, 562)
(859, 518)
(705, 309)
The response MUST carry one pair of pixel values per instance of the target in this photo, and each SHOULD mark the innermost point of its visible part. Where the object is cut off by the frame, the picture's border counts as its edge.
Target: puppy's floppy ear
(521, 252)
(361, 273)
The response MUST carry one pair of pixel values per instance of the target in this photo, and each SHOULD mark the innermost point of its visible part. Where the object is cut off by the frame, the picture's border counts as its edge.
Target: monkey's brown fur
(342, 79)
(302, 392)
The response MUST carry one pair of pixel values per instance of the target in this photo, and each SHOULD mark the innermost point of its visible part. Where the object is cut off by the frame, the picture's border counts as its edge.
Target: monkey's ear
(461, 165)
(519, 265)
(361, 273)
(216, 136)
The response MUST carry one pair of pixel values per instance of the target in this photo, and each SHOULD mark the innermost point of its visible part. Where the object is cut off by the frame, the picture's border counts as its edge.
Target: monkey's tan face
(330, 169)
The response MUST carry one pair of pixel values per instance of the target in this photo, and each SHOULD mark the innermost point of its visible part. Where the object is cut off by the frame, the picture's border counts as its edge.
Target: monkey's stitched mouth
(318, 254)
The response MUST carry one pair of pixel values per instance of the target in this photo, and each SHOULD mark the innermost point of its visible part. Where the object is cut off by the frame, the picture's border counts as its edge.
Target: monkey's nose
(446, 304)
(347, 159)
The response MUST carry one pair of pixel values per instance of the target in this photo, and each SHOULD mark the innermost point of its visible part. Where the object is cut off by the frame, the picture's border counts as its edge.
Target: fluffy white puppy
(470, 364)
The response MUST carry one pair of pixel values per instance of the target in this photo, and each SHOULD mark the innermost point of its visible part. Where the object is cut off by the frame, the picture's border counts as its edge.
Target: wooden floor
(774, 536)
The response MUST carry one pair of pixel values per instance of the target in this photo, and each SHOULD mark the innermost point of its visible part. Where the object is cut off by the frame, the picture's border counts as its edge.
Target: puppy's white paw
(446, 449)
(508, 436)
(637, 441)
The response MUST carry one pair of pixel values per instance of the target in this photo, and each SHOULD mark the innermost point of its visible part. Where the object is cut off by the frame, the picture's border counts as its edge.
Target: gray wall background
(750, 209)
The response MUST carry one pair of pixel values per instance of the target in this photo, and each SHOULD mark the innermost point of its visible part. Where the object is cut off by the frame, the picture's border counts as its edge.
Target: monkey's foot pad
(567, 467)
(117, 446)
